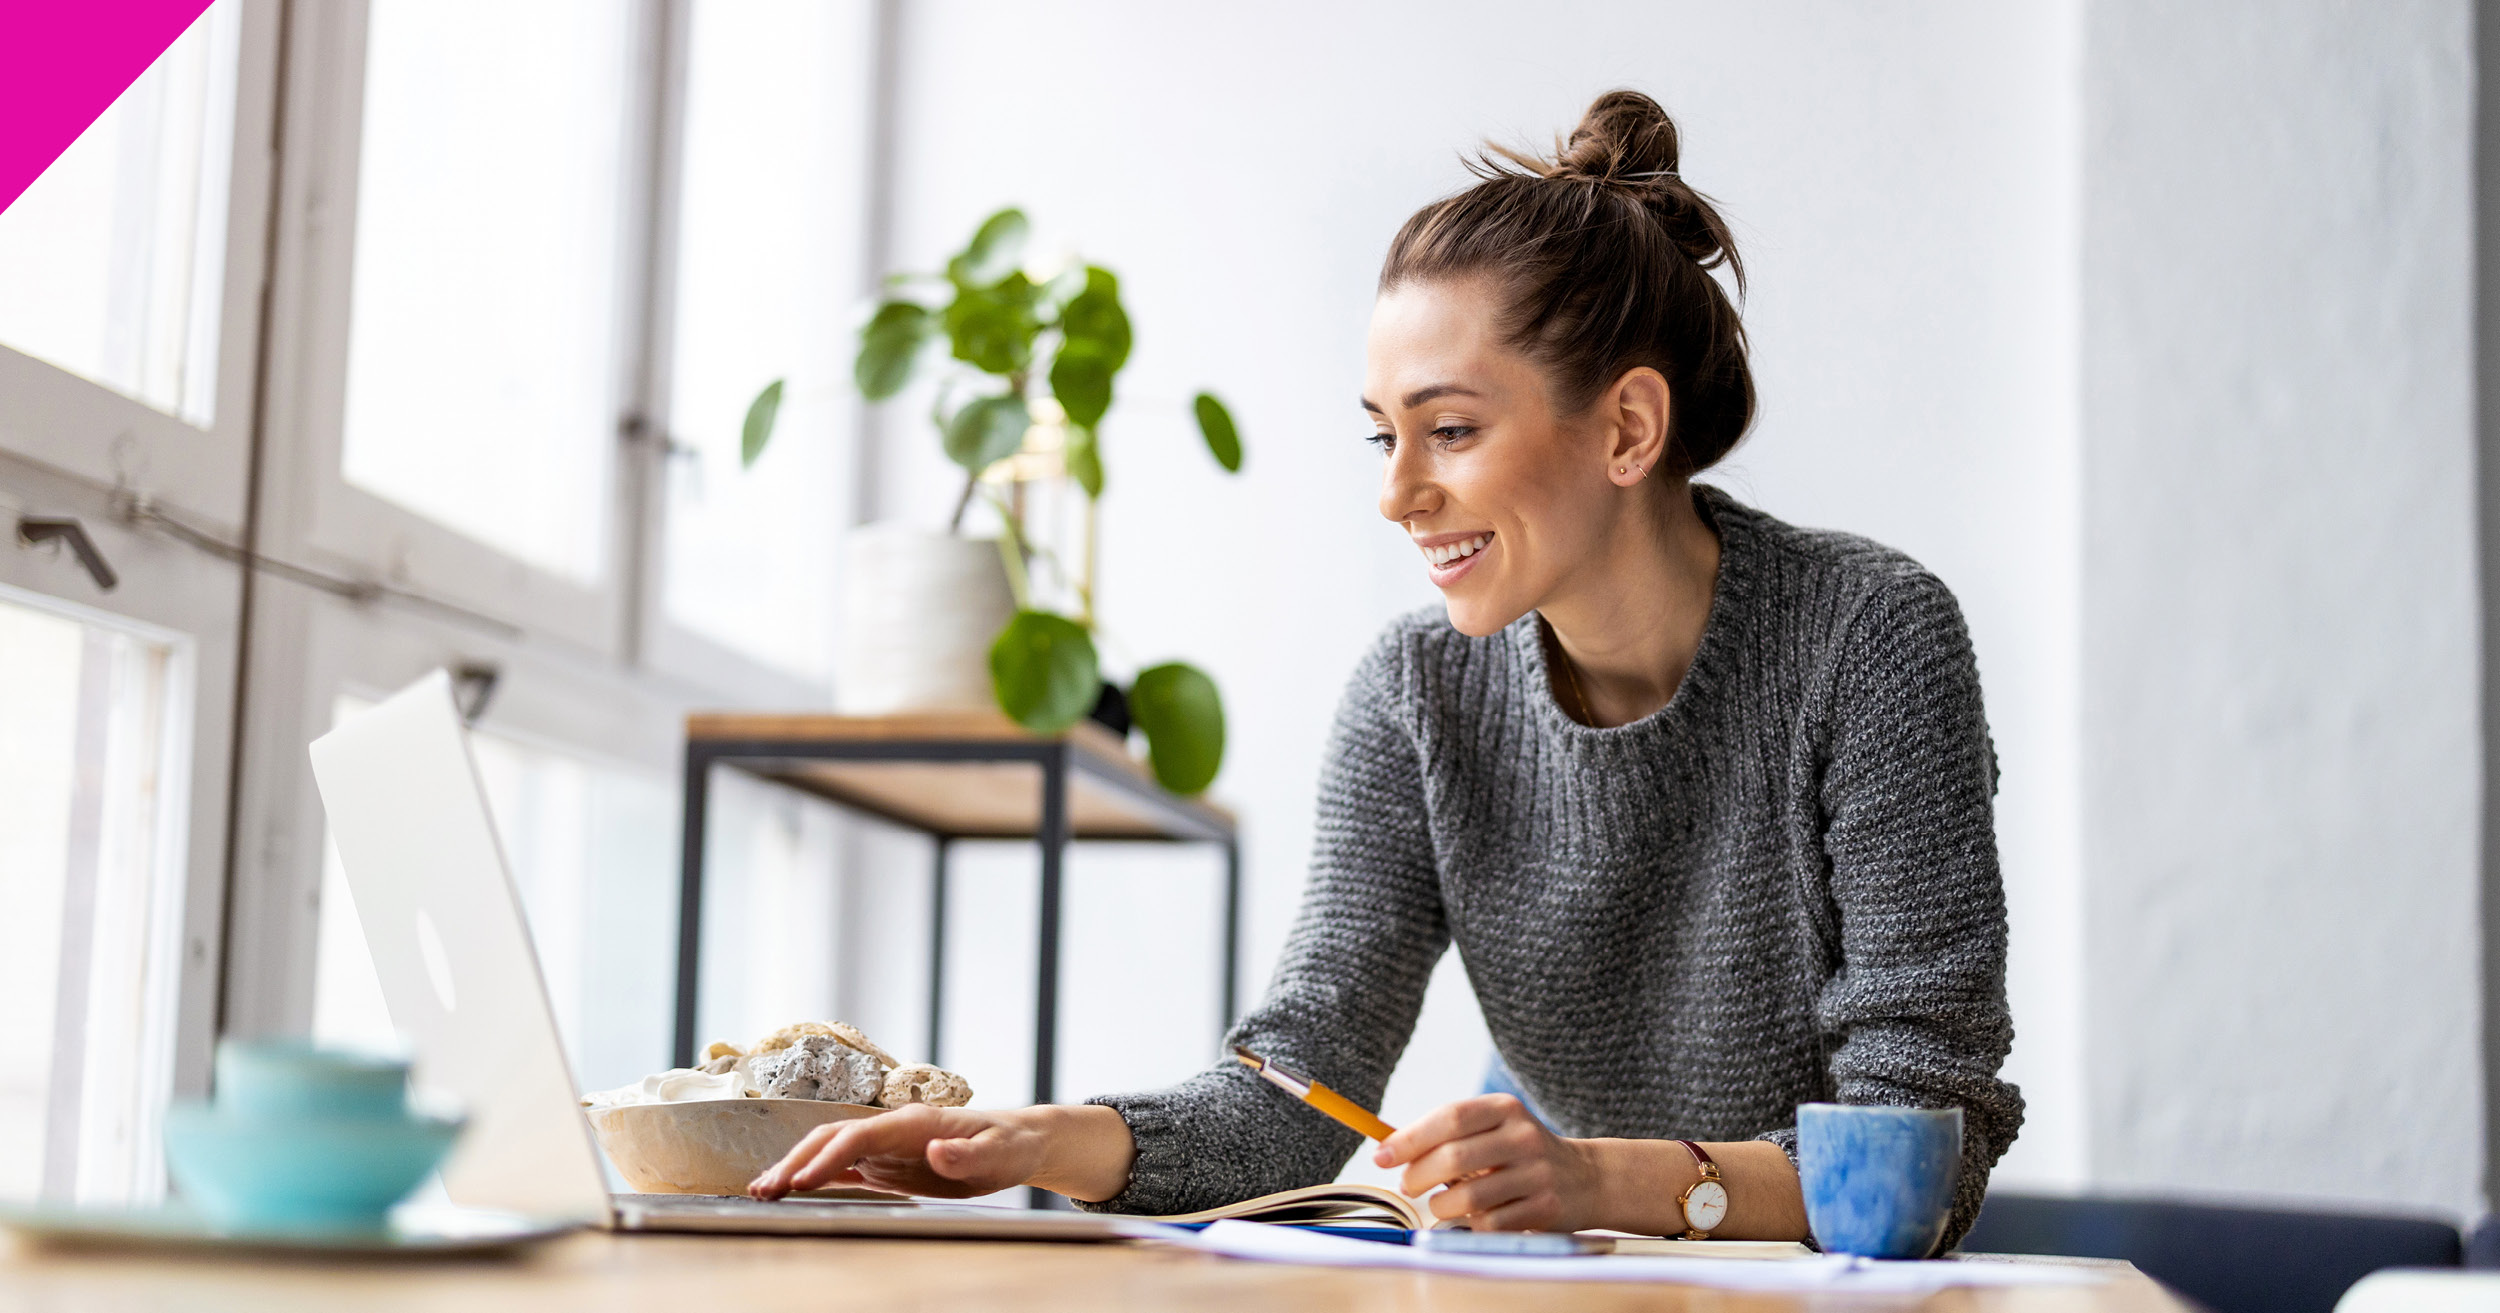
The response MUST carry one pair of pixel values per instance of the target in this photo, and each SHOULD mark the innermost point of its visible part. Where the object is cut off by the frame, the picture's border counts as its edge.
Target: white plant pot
(920, 609)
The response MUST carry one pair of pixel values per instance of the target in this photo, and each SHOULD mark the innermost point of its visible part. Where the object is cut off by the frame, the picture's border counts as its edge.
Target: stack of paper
(1285, 1244)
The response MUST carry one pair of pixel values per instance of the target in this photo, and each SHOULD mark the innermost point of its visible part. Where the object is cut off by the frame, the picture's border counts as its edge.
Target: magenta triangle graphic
(62, 62)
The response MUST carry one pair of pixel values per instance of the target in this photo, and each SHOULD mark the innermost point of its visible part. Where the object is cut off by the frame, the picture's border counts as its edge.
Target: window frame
(600, 670)
(314, 512)
(670, 648)
(74, 426)
(167, 593)
(72, 446)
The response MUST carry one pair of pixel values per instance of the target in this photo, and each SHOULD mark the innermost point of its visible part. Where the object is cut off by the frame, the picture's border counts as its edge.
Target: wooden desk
(686, 1274)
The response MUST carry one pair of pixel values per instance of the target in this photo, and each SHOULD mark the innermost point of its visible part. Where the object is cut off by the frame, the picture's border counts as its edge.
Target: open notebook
(1375, 1205)
(1337, 1205)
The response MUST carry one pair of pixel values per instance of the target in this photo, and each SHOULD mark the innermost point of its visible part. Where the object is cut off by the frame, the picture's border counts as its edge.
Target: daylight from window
(768, 194)
(482, 344)
(90, 872)
(111, 264)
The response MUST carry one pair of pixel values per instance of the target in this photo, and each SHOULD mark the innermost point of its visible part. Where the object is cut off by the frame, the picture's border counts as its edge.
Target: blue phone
(1516, 1244)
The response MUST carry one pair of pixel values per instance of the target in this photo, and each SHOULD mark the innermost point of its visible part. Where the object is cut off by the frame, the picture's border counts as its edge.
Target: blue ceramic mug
(1878, 1180)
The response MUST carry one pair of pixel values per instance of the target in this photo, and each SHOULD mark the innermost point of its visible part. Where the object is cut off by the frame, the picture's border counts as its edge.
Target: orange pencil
(1319, 1096)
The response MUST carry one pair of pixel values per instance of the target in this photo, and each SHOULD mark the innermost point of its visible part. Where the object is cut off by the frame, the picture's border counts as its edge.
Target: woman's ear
(1638, 406)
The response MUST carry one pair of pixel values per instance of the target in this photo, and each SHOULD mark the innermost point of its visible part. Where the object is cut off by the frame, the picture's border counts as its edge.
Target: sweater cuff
(1161, 1168)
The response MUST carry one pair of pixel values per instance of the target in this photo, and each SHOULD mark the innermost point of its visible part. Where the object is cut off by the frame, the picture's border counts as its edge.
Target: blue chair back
(2482, 1244)
(1498, 1080)
(2229, 1259)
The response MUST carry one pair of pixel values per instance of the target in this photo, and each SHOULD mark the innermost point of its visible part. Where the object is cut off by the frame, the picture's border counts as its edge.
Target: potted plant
(1027, 374)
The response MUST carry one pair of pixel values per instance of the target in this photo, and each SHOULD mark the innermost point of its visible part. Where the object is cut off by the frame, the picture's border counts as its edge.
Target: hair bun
(1626, 140)
(1624, 137)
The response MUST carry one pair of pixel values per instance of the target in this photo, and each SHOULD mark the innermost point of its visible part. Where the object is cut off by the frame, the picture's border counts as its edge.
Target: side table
(953, 775)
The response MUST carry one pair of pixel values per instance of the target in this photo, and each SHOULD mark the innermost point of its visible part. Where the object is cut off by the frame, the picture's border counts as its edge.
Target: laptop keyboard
(716, 1205)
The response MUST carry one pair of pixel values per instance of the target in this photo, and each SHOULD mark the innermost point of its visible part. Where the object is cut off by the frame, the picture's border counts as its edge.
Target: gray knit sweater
(1781, 887)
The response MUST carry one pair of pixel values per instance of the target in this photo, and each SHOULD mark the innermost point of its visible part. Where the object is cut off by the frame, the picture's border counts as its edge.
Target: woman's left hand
(1496, 1166)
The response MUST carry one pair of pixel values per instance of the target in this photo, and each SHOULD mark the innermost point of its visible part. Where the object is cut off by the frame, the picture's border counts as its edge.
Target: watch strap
(1684, 1202)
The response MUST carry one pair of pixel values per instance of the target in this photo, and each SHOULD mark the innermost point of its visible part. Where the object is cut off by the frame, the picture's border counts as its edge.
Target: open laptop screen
(453, 953)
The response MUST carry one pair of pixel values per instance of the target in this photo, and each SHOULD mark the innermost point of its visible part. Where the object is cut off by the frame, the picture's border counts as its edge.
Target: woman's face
(1503, 497)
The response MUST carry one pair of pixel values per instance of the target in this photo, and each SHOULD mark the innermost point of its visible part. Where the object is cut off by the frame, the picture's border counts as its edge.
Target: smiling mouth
(1457, 551)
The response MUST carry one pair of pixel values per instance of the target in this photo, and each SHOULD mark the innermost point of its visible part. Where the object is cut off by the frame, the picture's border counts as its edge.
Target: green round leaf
(1094, 315)
(1216, 424)
(888, 347)
(1061, 289)
(1042, 669)
(1081, 379)
(986, 430)
(1183, 718)
(993, 328)
(996, 250)
(1085, 459)
(761, 413)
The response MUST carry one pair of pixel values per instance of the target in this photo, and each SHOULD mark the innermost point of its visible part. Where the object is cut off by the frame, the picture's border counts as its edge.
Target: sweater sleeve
(1347, 988)
(1915, 1009)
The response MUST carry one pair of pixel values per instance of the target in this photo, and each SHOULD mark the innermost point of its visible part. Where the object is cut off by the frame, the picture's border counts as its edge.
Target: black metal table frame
(1056, 758)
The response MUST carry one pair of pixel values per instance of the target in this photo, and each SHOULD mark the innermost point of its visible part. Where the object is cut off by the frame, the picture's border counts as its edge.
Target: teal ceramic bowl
(308, 1173)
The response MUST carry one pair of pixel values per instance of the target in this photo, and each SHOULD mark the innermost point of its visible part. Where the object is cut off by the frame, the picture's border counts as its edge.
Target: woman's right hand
(959, 1153)
(947, 1153)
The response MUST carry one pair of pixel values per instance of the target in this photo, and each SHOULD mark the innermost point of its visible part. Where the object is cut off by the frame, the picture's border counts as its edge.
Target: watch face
(1705, 1206)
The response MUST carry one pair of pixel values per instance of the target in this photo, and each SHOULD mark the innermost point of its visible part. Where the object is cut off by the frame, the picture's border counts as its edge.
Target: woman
(1702, 799)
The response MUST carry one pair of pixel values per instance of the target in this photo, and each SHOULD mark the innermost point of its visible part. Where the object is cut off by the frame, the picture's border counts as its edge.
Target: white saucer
(427, 1231)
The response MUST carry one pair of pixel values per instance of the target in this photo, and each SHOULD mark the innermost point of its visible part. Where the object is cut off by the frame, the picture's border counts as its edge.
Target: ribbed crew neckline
(1714, 660)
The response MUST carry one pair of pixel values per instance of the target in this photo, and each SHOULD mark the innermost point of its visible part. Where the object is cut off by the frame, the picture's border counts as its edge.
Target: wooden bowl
(712, 1146)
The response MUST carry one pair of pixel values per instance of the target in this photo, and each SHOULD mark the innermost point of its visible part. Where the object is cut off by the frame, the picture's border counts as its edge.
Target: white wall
(1901, 178)
(2281, 795)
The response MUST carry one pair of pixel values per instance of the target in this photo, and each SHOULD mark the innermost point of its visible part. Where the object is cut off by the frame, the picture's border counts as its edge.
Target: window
(608, 211)
(482, 389)
(767, 242)
(112, 263)
(91, 870)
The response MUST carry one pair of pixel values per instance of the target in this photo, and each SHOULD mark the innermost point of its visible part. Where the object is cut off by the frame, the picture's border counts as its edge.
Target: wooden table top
(968, 799)
(723, 1274)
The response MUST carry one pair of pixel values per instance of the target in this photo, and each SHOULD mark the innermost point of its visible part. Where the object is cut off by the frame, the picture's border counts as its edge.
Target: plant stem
(1029, 551)
(1012, 557)
(1093, 553)
(1015, 551)
(972, 483)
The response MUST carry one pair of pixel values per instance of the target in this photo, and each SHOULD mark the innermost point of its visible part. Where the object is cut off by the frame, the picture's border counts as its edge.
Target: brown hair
(1601, 256)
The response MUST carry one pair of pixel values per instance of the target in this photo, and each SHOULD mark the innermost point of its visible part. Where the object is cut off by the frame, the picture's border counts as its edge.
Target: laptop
(460, 975)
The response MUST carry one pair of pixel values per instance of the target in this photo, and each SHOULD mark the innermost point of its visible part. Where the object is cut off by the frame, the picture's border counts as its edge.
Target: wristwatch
(1705, 1203)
